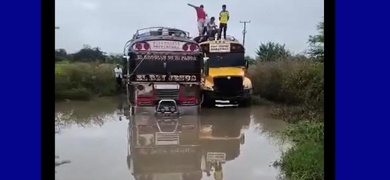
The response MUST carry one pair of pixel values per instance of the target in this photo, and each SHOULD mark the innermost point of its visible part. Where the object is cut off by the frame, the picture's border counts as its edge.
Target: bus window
(226, 59)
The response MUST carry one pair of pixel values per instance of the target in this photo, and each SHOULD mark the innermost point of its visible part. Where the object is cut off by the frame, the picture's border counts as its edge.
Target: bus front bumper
(235, 96)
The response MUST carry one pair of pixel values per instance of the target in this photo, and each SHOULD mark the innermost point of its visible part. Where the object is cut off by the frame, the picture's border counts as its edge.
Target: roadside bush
(293, 81)
(81, 81)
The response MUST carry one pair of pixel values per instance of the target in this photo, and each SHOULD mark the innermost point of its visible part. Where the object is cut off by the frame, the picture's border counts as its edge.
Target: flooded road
(101, 147)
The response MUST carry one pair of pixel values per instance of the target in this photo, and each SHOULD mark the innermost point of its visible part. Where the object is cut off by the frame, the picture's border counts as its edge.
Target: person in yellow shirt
(223, 19)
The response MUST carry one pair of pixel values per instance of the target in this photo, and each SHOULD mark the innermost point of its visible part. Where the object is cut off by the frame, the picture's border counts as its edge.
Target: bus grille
(167, 93)
(225, 84)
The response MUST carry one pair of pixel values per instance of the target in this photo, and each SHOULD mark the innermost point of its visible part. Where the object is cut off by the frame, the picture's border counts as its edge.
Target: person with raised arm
(201, 17)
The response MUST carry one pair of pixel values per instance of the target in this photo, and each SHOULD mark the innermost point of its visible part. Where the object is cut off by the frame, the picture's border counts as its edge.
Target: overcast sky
(108, 24)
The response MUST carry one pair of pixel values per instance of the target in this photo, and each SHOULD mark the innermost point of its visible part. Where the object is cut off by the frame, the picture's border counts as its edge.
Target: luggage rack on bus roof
(157, 32)
(160, 31)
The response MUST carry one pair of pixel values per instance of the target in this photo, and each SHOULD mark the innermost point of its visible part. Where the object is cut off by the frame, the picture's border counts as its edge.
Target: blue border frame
(21, 89)
(362, 91)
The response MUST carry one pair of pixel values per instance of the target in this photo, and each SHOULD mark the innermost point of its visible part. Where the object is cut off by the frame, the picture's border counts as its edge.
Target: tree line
(271, 51)
(87, 54)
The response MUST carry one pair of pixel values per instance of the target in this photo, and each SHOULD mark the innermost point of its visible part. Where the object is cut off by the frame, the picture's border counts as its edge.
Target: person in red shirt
(201, 18)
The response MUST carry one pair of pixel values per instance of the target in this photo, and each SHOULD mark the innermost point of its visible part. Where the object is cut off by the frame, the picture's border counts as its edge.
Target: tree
(60, 54)
(88, 54)
(114, 58)
(271, 51)
(316, 43)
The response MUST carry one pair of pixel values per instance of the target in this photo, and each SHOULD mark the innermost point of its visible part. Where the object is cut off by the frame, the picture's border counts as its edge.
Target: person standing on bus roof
(201, 17)
(223, 19)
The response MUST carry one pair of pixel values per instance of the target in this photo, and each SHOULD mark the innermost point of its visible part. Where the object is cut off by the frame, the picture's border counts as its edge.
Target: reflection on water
(155, 151)
(221, 136)
(228, 143)
(80, 113)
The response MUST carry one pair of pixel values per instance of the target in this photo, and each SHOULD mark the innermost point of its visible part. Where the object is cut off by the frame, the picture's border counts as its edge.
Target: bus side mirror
(246, 64)
(206, 67)
(124, 64)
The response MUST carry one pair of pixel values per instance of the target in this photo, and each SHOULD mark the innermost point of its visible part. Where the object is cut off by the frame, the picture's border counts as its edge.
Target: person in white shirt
(212, 28)
(118, 75)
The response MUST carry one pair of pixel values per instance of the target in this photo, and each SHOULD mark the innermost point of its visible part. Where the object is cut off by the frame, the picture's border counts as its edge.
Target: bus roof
(157, 33)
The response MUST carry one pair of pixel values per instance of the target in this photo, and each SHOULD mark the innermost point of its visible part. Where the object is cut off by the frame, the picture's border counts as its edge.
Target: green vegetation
(297, 82)
(298, 85)
(306, 159)
(84, 74)
(82, 81)
(317, 43)
(271, 51)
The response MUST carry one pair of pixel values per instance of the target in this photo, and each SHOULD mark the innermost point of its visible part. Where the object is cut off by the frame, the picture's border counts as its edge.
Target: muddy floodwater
(97, 144)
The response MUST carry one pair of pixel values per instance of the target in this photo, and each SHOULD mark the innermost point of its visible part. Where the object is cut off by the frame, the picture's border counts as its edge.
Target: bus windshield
(226, 59)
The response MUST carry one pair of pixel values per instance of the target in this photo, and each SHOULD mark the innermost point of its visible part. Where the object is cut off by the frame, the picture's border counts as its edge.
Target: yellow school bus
(224, 78)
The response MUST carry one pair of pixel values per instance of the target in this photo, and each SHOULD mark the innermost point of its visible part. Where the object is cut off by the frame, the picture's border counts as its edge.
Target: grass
(83, 81)
(298, 84)
(306, 159)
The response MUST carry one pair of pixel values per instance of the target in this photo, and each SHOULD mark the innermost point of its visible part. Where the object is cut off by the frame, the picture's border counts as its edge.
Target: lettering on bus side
(161, 57)
(166, 78)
